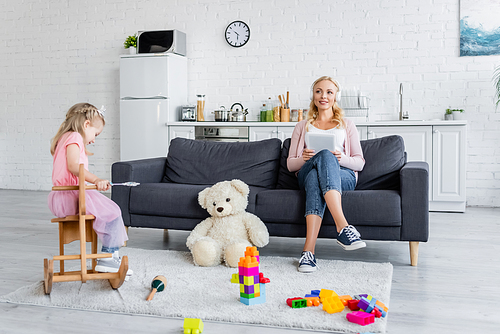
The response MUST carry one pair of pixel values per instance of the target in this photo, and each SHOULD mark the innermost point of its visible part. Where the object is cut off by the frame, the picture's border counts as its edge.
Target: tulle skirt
(108, 223)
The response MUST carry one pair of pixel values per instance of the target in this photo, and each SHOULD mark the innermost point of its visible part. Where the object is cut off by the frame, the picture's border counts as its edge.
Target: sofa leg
(165, 235)
(414, 253)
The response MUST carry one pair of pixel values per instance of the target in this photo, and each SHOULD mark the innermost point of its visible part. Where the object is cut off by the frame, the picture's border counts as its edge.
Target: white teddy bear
(225, 235)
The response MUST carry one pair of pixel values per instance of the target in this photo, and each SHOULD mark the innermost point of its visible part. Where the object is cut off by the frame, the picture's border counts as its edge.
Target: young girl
(325, 174)
(82, 125)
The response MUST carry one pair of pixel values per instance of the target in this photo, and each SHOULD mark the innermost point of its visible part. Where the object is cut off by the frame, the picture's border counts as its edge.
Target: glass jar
(263, 112)
(294, 115)
(200, 107)
(269, 110)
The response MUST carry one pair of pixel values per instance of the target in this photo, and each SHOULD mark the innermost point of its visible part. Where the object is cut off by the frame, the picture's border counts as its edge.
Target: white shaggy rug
(208, 294)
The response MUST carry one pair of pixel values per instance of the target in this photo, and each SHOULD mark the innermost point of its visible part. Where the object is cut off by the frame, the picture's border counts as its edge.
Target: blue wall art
(479, 27)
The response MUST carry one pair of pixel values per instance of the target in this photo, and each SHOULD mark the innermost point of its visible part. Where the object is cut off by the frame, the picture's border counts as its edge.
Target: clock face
(237, 33)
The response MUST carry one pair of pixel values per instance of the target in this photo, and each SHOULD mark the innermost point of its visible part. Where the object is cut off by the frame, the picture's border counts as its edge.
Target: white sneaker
(111, 265)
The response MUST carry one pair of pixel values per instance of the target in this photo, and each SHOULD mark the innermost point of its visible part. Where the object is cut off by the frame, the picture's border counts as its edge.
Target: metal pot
(222, 115)
(238, 115)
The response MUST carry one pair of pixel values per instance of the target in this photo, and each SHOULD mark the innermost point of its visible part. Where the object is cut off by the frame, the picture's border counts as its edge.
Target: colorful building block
(360, 318)
(368, 304)
(297, 302)
(312, 301)
(353, 304)
(193, 326)
(324, 293)
(314, 293)
(252, 289)
(332, 304)
(344, 299)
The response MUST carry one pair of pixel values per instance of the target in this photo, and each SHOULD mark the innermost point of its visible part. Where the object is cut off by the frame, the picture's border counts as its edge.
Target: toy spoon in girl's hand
(126, 184)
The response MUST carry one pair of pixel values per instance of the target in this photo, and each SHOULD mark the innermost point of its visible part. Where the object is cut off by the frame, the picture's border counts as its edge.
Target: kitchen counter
(372, 123)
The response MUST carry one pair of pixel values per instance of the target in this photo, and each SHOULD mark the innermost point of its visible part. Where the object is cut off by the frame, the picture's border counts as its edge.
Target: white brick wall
(54, 54)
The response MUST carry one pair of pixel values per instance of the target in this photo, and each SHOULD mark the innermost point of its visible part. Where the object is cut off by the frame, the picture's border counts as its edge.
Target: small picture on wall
(479, 27)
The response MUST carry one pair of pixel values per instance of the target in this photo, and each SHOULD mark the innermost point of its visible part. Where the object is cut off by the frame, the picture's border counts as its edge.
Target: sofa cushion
(206, 162)
(384, 157)
(174, 200)
(286, 179)
(361, 208)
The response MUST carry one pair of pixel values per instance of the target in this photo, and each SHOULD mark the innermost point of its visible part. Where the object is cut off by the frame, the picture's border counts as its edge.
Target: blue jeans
(321, 174)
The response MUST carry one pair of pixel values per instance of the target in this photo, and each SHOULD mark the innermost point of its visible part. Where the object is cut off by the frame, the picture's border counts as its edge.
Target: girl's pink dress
(108, 222)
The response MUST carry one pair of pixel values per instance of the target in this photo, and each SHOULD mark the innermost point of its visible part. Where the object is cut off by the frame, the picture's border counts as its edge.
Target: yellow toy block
(235, 278)
(193, 326)
(248, 280)
(332, 304)
(344, 299)
(312, 301)
(248, 262)
(256, 289)
(251, 251)
(242, 288)
(324, 293)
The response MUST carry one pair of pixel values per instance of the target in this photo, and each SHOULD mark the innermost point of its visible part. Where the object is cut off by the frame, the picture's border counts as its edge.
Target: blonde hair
(338, 113)
(75, 118)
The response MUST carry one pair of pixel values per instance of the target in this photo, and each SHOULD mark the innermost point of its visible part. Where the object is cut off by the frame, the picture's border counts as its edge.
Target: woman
(325, 174)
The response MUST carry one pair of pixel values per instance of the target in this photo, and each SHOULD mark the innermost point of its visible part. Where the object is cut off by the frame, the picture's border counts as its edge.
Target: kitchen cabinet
(180, 131)
(443, 147)
(266, 132)
(362, 132)
(448, 168)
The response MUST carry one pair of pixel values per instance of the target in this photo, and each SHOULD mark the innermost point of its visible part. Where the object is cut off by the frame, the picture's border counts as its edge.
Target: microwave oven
(162, 41)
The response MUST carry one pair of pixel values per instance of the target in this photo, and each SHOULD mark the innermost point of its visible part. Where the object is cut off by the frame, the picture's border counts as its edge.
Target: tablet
(320, 141)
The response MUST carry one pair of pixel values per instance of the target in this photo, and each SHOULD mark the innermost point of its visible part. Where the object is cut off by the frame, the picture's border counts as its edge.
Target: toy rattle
(158, 284)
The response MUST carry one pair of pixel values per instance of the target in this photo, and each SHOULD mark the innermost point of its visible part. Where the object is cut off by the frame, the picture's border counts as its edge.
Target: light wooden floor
(454, 289)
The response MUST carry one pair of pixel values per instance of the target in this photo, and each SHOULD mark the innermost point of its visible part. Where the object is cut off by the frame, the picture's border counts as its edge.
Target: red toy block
(376, 313)
(263, 279)
(361, 318)
(353, 304)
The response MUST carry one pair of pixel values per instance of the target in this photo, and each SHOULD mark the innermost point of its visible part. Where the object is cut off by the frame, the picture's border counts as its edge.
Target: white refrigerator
(153, 87)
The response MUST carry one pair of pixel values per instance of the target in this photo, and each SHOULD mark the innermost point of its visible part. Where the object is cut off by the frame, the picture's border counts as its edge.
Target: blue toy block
(314, 293)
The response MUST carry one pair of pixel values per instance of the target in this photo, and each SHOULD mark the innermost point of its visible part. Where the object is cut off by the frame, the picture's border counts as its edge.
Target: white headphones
(338, 96)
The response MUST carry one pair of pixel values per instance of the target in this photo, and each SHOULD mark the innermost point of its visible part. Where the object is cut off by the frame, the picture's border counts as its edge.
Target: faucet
(401, 101)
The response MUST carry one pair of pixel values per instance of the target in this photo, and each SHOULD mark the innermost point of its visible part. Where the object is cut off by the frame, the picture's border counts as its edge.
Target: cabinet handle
(436, 131)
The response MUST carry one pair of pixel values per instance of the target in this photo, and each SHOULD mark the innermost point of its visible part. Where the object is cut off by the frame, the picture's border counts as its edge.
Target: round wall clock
(237, 33)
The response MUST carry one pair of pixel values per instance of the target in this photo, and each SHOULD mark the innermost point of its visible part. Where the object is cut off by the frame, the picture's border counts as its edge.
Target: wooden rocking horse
(79, 227)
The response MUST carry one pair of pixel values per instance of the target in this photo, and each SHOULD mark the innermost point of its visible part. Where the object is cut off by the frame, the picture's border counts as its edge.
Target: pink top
(61, 176)
(352, 159)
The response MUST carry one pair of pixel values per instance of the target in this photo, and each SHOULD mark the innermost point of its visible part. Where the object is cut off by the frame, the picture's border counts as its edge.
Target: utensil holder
(276, 111)
(285, 115)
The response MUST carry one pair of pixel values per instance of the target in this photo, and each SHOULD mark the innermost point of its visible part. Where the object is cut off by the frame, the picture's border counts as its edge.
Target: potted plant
(448, 116)
(131, 43)
(457, 113)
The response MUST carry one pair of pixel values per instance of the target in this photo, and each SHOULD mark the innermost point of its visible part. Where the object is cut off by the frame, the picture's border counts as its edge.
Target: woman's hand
(337, 154)
(102, 185)
(307, 154)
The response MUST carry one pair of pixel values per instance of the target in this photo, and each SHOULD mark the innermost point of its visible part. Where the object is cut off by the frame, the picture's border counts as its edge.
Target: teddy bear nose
(220, 209)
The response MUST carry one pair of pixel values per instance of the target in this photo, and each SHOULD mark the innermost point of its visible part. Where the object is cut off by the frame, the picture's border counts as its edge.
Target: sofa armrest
(414, 178)
(142, 171)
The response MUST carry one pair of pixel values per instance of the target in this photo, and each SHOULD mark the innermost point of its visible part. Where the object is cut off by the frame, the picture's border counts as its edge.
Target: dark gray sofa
(390, 201)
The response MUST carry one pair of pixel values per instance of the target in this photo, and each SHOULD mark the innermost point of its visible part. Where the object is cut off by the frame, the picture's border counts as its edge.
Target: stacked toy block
(252, 282)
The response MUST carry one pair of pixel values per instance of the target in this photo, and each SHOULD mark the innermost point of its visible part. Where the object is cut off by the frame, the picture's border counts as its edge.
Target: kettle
(238, 115)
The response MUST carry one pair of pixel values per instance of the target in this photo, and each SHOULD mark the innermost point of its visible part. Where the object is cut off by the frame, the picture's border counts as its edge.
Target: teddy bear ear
(202, 196)
(241, 187)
